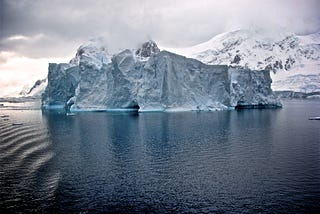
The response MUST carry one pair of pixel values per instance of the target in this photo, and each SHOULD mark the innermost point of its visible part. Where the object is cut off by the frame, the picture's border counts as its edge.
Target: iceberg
(148, 79)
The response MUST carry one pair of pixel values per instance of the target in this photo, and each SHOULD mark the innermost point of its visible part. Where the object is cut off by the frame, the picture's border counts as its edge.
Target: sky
(36, 32)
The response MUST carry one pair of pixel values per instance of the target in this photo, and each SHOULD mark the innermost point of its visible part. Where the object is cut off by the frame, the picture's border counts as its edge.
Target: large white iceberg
(148, 79)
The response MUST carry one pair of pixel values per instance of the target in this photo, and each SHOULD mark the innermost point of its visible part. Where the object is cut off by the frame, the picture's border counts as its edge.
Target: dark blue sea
(240, 161)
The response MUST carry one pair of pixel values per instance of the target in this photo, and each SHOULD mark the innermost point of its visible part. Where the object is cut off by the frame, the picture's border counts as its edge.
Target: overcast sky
(34, 32)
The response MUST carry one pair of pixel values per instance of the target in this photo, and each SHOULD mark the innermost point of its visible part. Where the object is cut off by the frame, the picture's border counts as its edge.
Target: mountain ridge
(284, 53)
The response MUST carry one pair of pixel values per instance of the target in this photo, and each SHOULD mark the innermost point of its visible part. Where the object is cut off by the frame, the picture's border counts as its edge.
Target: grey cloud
(64, 25)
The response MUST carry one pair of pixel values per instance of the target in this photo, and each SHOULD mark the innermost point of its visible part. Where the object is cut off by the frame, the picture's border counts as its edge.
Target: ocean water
(241, 161)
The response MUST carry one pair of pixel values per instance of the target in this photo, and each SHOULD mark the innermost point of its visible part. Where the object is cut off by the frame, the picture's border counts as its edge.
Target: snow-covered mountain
(36, 90)
(286, 54)
(305, 83)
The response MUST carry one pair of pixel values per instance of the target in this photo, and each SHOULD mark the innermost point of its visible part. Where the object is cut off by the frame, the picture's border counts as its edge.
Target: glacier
(147, 79)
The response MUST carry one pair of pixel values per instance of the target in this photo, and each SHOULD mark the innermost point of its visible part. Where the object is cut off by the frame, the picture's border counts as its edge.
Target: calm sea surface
(244, 161)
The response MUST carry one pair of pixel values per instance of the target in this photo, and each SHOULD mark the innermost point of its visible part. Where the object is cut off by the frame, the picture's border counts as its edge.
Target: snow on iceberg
(148, 79)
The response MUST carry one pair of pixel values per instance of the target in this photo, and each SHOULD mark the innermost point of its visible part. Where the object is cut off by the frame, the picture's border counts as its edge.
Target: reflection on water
(230, 161)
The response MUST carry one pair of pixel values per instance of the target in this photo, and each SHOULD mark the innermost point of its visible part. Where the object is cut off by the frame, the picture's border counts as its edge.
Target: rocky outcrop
(147, 49)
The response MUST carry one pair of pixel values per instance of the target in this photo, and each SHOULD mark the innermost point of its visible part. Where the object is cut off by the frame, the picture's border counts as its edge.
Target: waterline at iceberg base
(153, 81)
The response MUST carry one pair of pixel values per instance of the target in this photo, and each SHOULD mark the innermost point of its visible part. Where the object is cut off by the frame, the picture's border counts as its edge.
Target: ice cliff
(148, 79)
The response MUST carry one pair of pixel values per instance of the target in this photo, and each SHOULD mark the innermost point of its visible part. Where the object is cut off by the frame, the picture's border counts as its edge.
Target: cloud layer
(49, 28)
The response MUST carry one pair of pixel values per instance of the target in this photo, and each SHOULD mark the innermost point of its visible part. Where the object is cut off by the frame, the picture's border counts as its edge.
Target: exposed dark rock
(236, 59)
(289, 62)
(147, 49)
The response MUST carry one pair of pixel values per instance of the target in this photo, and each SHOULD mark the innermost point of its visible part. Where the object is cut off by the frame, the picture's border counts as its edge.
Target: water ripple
(25, 155)
(12, 131)
(22, 136)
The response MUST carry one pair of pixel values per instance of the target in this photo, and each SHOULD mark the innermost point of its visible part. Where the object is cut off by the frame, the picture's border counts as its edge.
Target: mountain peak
(147, 49)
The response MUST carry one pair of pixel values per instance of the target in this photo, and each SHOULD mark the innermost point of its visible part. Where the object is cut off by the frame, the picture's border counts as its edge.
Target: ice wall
(160, 81)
